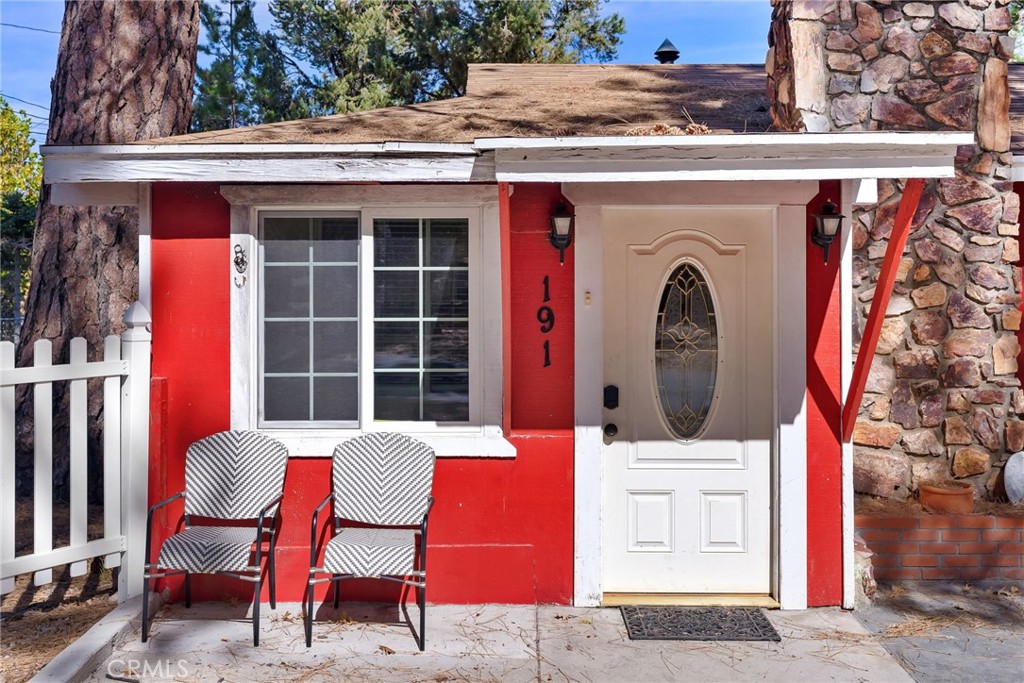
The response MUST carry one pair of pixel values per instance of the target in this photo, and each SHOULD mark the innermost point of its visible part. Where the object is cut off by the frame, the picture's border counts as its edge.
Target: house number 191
(546, 318)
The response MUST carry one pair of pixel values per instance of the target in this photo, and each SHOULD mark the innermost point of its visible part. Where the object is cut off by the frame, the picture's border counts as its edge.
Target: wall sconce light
(561, 230)
(826, 226)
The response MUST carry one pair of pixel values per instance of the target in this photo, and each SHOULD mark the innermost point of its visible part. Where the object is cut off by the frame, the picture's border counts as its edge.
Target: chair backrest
(231, 475)
(382, 478)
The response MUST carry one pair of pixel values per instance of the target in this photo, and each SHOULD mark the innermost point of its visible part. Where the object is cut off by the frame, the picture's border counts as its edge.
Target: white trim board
(785, 156)
(60, 169)
(760, 156)
(846, 377)
(791, 403)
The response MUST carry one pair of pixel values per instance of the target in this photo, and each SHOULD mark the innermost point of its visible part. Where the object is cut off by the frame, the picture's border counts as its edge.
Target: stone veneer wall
(942, 399)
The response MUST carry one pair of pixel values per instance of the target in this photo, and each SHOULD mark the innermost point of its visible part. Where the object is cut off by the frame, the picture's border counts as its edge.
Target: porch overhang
(114, 167)
(772, 156)
(114, 170)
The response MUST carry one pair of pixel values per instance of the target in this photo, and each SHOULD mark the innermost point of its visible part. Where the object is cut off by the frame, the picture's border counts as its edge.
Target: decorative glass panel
(686, 351)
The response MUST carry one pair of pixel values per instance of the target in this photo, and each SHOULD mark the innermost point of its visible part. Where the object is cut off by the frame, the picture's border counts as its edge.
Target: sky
(704, 32)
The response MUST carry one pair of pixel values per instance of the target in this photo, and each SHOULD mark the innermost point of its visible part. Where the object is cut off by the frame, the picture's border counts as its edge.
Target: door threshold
(690, 600)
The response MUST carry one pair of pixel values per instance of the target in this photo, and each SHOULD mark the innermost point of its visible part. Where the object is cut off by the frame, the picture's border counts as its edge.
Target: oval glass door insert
(686, 351)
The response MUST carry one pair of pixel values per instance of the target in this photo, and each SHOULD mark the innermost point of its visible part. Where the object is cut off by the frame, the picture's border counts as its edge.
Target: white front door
(688, 342)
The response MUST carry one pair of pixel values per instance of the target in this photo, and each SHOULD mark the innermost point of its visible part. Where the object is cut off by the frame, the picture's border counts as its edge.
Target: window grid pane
(393, 384)
(315, 245)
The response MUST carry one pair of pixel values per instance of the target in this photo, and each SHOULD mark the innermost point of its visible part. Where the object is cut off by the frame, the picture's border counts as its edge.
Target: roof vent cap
(666, 53)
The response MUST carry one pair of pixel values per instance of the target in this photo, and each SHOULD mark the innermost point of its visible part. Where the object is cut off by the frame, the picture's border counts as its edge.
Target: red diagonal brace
(883, 292)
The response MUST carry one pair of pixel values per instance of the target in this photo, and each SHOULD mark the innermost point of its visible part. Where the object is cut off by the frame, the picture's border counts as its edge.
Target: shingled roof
(542, 100)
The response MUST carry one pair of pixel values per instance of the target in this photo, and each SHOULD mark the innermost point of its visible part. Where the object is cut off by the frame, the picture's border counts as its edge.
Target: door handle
(610, 430)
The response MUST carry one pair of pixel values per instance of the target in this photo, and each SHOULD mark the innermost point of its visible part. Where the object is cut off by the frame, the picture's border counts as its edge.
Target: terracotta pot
(948, 498)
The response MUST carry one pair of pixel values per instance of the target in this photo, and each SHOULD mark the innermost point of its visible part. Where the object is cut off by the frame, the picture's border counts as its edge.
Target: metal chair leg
(256, 612)
(145, 608)
(309, 614)
(421, 598)
(188, 589)
(273, 579)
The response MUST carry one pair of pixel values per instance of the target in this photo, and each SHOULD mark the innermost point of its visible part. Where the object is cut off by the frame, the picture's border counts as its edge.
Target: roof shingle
(542, 100)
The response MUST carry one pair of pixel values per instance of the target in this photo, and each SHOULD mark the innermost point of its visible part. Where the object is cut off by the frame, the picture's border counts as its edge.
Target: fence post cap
(137, 316)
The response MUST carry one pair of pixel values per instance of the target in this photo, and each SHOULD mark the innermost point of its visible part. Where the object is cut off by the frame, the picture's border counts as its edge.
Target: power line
(29, 28)
(36, 116)
(18, 99)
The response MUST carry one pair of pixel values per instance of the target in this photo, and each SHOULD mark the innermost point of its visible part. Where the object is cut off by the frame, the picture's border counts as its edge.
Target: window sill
(320, 444)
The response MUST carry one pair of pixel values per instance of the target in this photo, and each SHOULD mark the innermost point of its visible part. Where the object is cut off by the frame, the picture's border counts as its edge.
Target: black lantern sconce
(561, 230)
(826, 226)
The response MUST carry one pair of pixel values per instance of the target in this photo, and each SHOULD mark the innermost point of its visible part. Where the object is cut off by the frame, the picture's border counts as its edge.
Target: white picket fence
(125, 371)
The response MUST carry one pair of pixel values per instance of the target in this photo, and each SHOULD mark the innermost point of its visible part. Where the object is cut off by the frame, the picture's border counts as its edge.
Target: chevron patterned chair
(382, 483)
(229, 477)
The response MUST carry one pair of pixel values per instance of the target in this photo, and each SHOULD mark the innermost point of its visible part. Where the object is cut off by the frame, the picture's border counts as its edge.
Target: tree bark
(124, 73)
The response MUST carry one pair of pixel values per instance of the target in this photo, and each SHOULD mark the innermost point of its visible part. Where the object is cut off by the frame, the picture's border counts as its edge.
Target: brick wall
(951, 547)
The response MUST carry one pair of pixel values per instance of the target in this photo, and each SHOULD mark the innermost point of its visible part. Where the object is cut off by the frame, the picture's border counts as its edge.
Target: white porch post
(863, 194)
(589, 302)
(791, 339)
(136, 343)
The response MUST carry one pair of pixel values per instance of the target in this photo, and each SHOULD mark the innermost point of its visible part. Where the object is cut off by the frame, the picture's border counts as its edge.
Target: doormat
(697, 623)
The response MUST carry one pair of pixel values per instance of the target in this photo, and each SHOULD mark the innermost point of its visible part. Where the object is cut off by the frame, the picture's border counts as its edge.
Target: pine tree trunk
(124, 73)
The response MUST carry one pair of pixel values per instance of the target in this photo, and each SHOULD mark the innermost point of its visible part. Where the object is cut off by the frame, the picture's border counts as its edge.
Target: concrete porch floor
(364, 642)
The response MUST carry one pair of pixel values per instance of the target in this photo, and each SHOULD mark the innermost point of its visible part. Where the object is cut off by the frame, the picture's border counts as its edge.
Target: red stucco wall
(501, 530)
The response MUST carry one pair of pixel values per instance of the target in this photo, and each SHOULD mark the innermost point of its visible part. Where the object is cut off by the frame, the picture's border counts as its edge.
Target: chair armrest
(263, 510)
(149, 520)
(426, 516)
(313, 526)
(430, 504)
(423, 534)
(275, 501)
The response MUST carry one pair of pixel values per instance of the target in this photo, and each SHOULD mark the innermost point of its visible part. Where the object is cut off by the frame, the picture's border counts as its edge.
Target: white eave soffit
(763, 156)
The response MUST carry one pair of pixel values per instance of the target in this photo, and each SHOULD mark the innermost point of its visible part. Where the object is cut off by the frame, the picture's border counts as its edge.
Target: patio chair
(380, 482)
(230, 477)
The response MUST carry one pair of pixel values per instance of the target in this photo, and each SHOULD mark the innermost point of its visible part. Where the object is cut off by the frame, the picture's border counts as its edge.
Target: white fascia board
(788, 170)
(1017, 169)
(726, 157)
(383, 162)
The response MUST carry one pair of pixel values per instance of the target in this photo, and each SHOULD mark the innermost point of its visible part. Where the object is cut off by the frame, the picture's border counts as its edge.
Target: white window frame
(482, 435)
